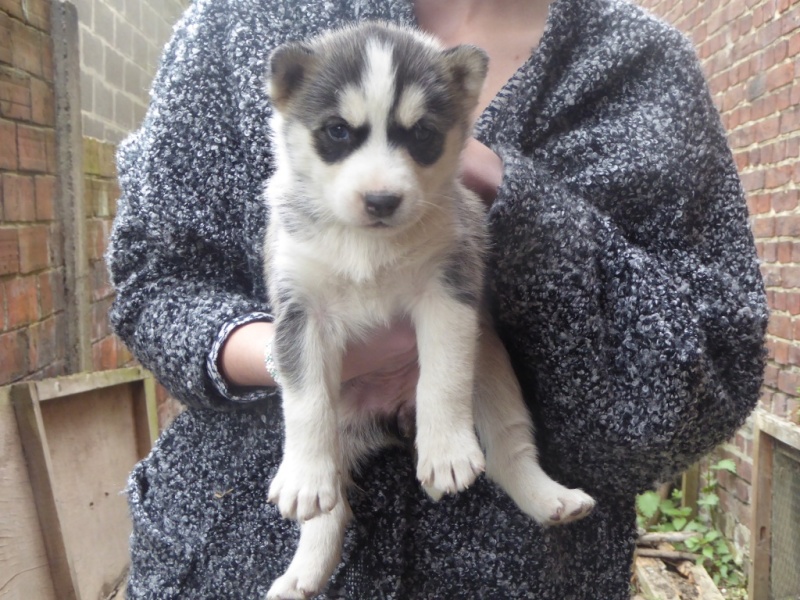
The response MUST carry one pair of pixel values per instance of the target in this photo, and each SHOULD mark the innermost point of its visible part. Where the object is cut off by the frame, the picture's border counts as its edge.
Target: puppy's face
(371, 120)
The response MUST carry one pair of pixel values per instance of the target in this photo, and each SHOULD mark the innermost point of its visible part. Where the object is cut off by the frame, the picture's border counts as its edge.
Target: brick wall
(101, 193)
(750, 51)
(121, 42)
(31, 264)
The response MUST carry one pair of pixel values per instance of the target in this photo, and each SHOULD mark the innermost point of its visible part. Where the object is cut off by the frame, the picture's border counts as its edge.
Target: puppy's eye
(338, 132)
(422, 133)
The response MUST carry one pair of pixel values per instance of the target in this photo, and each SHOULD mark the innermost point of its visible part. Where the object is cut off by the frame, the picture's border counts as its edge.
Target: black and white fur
(370, 223)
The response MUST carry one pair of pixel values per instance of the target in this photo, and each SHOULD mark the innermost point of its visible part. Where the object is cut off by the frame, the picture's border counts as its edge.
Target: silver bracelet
(269, 363)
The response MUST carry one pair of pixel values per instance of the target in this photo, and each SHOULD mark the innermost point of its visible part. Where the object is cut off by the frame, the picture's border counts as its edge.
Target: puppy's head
(371, 120)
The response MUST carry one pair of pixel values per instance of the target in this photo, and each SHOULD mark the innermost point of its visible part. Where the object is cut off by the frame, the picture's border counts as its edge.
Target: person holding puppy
(623, 281)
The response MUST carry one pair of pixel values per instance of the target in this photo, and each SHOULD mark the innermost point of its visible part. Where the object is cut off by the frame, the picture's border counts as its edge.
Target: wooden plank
(761, 536)
(781, 429)
(690, 489)
(94, 444)
(24, 571)
(652, 581)
(705, 585)
(71, 385)
(80, 443)
(40, 470)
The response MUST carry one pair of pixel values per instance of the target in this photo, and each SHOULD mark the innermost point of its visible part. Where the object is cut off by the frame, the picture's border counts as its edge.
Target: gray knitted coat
(623, 276)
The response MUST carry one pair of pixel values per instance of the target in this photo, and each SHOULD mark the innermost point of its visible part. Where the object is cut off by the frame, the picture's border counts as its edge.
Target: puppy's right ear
(289, 66)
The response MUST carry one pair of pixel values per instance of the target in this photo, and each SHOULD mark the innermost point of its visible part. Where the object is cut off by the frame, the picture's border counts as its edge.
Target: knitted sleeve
(625, 274)
(182, 250)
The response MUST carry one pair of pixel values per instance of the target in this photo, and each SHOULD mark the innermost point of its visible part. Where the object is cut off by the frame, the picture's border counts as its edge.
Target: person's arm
(185, 237)
(626, 281)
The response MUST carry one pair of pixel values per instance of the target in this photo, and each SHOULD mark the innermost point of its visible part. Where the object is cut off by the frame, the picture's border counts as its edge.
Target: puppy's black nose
(381, 204)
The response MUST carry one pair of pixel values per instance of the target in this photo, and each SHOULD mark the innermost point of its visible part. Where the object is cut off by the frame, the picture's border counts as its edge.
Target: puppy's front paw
(448, 463)
(304, 489)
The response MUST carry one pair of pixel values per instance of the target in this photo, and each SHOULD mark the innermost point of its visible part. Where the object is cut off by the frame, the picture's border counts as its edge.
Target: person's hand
(379, 374)
(481, 170)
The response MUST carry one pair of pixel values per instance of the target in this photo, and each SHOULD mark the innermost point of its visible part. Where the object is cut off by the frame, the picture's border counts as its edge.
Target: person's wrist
(241, 359)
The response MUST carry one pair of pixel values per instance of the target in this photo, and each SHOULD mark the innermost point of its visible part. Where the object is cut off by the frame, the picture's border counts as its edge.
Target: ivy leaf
(679, 523)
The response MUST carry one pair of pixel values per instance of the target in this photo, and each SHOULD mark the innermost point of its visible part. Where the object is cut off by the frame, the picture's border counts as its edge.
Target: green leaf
(726, 464)
(708, 500)
(708, 552)
(692, 543)
(647, 503)
(679, 523)
(711, 535)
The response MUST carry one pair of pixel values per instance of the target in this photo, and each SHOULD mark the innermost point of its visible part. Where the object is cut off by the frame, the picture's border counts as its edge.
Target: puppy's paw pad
(302, 493)
(287, 587)
(566, 507)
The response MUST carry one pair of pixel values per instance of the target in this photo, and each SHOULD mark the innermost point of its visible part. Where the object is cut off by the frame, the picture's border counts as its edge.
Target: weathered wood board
(24, 570)
(76, 440)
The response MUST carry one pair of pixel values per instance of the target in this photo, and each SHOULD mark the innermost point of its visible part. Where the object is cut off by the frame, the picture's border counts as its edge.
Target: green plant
(655, 513)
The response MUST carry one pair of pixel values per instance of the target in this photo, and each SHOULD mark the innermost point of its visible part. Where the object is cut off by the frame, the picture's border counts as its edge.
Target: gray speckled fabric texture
(623, 276)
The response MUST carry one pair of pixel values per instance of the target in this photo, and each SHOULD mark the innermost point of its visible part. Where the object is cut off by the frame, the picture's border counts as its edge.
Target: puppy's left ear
(290, 65)
(468, 66)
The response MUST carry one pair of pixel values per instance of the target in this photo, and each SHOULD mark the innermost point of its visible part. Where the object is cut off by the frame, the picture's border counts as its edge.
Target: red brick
(46, 289)
(767, 251)
(42, 344)
(13, 349)
(780, 326)
(9, 251)
(13, 8)
(45, 186)
(744, 469)
(785, 201)
(787, 383)
(32, 145)
(764, 227)
(42, 103)
(15, 94)
(790, 276)
(785, 252)
(34, 248)
(22, 301)
(793, 303)
(778, 176)
(19, 199)
(28, 48)
(37, 14)
(779, 351)
(787, 225)
(8, 145)
(104, 354)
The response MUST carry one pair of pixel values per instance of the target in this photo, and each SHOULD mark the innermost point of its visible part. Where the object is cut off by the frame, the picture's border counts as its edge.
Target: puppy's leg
(449, 456)
(308, 354)
(318, 552)
(506, 431)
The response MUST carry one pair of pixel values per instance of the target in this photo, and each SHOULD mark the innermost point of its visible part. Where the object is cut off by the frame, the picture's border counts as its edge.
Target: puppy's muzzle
(381, 204)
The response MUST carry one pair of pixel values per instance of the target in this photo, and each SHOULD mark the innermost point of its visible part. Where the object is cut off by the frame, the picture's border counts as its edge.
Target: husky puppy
(369, 223)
